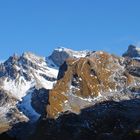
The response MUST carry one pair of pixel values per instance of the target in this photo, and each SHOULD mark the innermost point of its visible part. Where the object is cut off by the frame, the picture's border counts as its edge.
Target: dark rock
(39, 100)
(58, 57)
(132, 51)
(106, 120)
(135, 71)
(62, 70)
(5, 136)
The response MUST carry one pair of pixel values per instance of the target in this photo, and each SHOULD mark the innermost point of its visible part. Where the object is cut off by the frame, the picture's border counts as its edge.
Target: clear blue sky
(42, 25)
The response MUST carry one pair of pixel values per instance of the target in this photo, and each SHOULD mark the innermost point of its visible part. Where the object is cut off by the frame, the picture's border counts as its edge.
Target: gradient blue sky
(42, 25)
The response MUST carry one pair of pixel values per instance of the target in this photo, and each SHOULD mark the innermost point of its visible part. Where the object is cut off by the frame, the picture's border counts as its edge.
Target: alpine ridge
(71, 95)
(82, 81)
(20, 77)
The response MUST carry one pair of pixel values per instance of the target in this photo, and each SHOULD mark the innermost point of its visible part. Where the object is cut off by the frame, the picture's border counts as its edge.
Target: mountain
(95, 97)
(60, 54)
(132, 52)
(70, 94)
(19, 76)
(82, 81)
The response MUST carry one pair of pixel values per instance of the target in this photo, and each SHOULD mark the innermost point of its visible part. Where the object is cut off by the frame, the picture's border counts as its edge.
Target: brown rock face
(86, 79)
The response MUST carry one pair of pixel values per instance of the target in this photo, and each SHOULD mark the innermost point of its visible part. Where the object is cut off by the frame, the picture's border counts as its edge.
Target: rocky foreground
(71, 95)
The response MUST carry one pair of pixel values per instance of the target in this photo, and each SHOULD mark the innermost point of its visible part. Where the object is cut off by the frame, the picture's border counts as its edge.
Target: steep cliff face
(9, 113)
(40, 100)
(95, 97)
(59, 55)
(133, 52)
(82, 80)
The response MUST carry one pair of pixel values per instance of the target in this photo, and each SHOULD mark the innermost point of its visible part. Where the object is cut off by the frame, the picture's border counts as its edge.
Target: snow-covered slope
(73, 53)
(26, 107)
(20, 74)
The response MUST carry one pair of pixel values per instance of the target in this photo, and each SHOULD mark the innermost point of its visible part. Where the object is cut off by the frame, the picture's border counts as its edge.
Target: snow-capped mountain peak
(60, 54)
(33, 58)
(20, 73)
(132, 52)
(85, 79)
(71, 52)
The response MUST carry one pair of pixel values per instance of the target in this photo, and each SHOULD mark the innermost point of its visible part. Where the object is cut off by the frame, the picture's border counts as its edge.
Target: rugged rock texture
(59, 55)
(96, 96)
(19, 75)
(40, 100)
(132, 51)
(24, 84)
(108, 120)
(9, 113)
(81, 81)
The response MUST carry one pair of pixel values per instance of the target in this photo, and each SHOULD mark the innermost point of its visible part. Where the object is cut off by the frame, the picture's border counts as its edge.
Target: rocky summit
(82, 81)
(73, 95)
(133, 52)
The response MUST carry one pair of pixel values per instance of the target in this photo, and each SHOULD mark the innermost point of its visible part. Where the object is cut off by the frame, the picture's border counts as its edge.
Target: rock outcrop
(95, 97)
(83, 80)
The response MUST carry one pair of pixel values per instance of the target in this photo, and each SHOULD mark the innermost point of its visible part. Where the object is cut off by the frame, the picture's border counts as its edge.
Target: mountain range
(73, 95)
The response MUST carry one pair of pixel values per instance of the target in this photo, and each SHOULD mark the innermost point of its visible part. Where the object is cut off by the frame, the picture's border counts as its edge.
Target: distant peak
(32, 56)
(134, 47)
(15, 55)
(28, 54)
(12, 59)
(60, 54)
(131, 47)
(62, 49)
(132, 51)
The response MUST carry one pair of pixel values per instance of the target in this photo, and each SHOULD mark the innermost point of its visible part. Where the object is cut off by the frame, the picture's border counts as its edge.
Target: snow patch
(76, 54)
(27, 109)
(17, 88)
